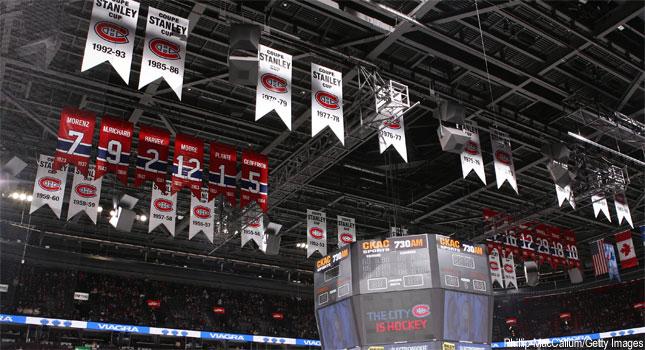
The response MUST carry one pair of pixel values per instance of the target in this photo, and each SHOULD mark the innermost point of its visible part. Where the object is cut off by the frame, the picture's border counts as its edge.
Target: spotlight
(143, 218)
(22, 197)
(621, 27)
(30, 198)
(15, 195)
(112, 212)
(99, 209)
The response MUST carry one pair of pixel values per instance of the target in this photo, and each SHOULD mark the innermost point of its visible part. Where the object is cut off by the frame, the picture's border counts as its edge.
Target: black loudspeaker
(575, 275)
(452, 140)
(451, 112)
(559, 173)
(243, 54)
(244, 37)
(273, 245)
(123, 219)
(532, 274)
(556, 151)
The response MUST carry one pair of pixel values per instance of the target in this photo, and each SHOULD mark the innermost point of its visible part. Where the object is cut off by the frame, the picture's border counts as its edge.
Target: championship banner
(49, 187)
(327, 101)
(152, 156)
(599, 203)
(201, 216)
(254, 180)
(471, 156)
(570, 248)
(612, 264)
(346, 230)
(274, 84)
(222, 172)
(115, 140)
(187, 164)
(253, 229)
(626, 251)
(565, 193)
(163, 210)
(503, 159)
(390, 124)
(622, 209)
(316, 232)
(509, 271)
(75, 135)
(164, 50)
(85, 195)
(111, 35)
(495, 267)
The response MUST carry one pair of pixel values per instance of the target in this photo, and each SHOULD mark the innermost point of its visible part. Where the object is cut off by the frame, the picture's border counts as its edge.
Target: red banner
(75, 135)
(220, 310)
(570, 248)
(277, 315)
(187, 164)
(115, 141)
(152, 156)
(254, 182)
(222, 172)
(153, 303)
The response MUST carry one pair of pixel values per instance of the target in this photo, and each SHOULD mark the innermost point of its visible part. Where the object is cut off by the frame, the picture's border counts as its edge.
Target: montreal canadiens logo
(254, 223)
(508, 268)
(274, 83)
(164, 49)
(85, 190)
(346, 238)
(494, 265)
(327, 100)
(163, 205)
(472, 148)
(392, 124)
(111, 32)
(50, 184)
(421, 310)
(316, 232)
(202, 212)
(503, 157)
(619, 198)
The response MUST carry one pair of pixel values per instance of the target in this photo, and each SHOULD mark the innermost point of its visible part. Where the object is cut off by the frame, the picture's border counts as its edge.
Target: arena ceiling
(550, 68)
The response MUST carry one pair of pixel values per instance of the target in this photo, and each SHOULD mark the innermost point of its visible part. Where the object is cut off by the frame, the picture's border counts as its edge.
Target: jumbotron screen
(466, 317)
(333, 277)
(462, 266)
(337, 326)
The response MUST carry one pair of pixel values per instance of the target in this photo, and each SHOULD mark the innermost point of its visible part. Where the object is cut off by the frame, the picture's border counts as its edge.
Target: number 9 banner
(187, 164)
(152, 156)
(75, 134)
(255, 178)
(115, 141)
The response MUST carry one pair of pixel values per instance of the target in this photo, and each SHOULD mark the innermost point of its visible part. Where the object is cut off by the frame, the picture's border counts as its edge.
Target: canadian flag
(626, 252)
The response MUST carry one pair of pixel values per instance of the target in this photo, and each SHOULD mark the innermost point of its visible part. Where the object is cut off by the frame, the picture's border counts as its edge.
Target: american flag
(598, 256)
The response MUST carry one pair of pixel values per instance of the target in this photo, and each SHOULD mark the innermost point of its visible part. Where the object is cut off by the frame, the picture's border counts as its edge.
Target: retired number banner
(75, 134)
(111, 35)
(222, 172)
(163, 210)
(316, 232)
(49, 187)
(254, 181)
(85, 195)
(164, 50)
(327, 101)
(201, 216)
(115, 141)
(187, 164)
(346, 230)
(274, 84)
(152, 156)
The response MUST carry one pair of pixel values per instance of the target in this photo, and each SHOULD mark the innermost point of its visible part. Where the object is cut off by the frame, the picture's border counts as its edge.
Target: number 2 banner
(223, 172)
(75, 134)
(254, 181)
(187, 164)
(152, 156)
(115, 141)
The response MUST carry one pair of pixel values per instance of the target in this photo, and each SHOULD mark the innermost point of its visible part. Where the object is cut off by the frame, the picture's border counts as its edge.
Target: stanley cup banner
(152, 156)
(565, 193)
(49, 187)
(471, 156)
(75, 135)
(599, 203)
(115, 141)
(187, 164)
(254, 185)
(622, 209)
(163, 209)
(164, 50)
(503, 160)
(201, 216)
(222, 172)
(111, 35)
(495, 267)
(346, 230)
(327, 101)
(316, 232)
(253, 229)
(389, 121)
(509, 271)
(85, 195)
(274, 84)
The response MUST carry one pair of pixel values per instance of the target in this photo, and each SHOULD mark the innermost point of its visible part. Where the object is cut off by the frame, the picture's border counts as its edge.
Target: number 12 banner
(75, 134)
(115, 141)
(152, 156)
(254, 181)
(187, 164)
(222, 172)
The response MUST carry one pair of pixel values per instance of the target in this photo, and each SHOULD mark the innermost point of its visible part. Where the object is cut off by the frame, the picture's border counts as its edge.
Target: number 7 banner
(115, 141)
(187, 164)
(222, 172)
(75, 134)
(152, 156)
(254, 182)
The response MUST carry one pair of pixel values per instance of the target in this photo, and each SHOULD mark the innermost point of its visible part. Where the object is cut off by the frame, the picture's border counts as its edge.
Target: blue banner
(612, 264)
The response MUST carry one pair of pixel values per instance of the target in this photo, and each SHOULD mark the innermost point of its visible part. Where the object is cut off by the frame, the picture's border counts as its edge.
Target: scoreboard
(462, 266)
(333, 278)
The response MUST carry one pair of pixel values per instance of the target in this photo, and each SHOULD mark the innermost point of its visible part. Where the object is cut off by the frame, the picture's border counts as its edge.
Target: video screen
(337, 326)
(466, 317)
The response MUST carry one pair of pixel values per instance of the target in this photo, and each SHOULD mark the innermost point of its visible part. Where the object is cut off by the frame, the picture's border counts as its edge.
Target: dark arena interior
(322, 174)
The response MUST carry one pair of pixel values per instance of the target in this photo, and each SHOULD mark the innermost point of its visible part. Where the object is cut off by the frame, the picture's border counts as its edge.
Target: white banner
(495, 267)
(509, 271)
(565, 193)
(81, 296)
(503, 160)
(471, 156)
(316, 232)
(164, 50)
(253, 229)
(622, 209)
(163, 209)
(111, 36)
(49, 187)
(390, 124)
(346, 230)
(4, 288)
(201, 216)
(599, 203)
(85, 194)
(327, 101)
(274, 84)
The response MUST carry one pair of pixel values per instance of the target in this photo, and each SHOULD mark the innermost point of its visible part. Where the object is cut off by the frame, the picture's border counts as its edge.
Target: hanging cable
(481, 36)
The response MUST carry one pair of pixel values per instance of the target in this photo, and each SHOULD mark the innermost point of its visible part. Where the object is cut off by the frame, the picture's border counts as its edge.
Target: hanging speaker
(532, 274)
(450, 111)
(575, 275)
(560, 175)
(451, 139)
(273, 245)
(243, 54)
(556, 151)
(123, 219)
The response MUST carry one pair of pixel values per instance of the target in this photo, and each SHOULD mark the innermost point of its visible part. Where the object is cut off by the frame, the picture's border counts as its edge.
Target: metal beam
(469, 13)
(630, 91)
(38, 120)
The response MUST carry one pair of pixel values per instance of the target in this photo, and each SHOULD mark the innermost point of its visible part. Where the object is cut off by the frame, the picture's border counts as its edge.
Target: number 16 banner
(254, 182)
(115, 141)
(187, 164)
